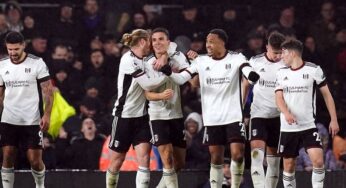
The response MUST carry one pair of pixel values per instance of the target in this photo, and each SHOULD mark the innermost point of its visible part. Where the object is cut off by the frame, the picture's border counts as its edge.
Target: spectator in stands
(29, 26)
(325, 27)
(311, 53)
(3, 31)
(39, 45)
(64, 28)
(139, 20)
(14, 13)
(254, 44)
(197, 43)
(197, 155)
(85, 150)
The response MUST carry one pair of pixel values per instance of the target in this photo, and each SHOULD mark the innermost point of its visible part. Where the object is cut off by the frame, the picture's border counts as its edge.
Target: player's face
(274, 54)
(15, 51)
(214, 44)
(160, 42)
(287, 56)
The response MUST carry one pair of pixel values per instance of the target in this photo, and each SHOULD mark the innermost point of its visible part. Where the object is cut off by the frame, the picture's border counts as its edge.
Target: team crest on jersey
(27, 70)
(156, 138)
(254, 132)
(207, 69)
(262, 70)
(286, 78)
(116, 143)
(228, 66)
(305, 76)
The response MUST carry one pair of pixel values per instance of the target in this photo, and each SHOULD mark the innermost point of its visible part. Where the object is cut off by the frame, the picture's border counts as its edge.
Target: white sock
(273, 171)
(216, 175)
(112, 179)
(7, 176)
(39, 177)
(289, 180)
(317, 178)
(142, 177)
(161, 183)
(257, 170)
(170, 177)
(237, 170)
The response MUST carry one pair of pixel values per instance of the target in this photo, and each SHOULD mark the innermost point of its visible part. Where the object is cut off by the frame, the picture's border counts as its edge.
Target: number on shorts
(318, 138)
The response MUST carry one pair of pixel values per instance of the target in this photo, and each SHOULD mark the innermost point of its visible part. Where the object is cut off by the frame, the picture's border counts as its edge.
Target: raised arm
(153, 96)
(328, 99)
(47, 93)
(148, 82)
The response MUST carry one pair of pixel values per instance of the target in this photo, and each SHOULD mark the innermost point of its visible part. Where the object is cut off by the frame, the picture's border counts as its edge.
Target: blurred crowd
(80, 42)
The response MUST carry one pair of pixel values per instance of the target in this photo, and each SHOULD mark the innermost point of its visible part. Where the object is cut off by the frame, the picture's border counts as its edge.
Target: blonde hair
(132, 39)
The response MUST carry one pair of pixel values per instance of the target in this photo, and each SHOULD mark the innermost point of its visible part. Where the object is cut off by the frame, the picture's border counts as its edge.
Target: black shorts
(225, 134)
(267, 130)
(168, 132)
(28, 137)
(291, 142)
(127, 131)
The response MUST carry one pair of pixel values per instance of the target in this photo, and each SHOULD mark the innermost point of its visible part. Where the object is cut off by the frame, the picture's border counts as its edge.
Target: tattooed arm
(47, 93)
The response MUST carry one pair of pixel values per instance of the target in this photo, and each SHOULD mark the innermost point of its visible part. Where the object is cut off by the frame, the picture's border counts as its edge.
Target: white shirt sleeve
(187, 74)
(319, 77)
(1, 81)
(278, 83)
(42, 70)
(179, 61)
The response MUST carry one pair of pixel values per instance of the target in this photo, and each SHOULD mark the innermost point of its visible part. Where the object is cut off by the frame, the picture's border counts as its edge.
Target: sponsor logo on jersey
(267, 83)
(216, 81)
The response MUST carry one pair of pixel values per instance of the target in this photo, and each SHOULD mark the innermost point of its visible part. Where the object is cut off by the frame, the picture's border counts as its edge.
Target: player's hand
(333, 128)
(192, 54)
(167, 94)
(160, 62)
(290, 118)
(44, 123)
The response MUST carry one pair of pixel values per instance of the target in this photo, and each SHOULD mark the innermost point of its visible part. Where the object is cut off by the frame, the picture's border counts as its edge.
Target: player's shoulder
(32, 56)
(312, 65)
(150, 56)
(258, 57)
(284, 69)
(6, 58)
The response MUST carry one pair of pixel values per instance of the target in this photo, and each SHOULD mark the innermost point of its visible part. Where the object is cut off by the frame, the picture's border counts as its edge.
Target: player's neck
(220, 55)
(297, 63)
(137, 52)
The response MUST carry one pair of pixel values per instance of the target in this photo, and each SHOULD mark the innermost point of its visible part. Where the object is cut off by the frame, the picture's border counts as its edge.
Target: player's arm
(280, 102)
(179, 78)
(153, 96)
(249, 73)
(245, 90)
(328, 99)
(146, 82)
(47, 93)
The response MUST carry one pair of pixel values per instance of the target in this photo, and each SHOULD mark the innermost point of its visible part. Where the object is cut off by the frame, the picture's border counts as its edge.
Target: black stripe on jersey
(192, 75)
(311, 64)
(149, 57)
(43, 79)
(323, 83)
(137, 73)
(243, 65)
(240, 97)
(126, 86)
(314, 99)
(33, 56)
(40, 98)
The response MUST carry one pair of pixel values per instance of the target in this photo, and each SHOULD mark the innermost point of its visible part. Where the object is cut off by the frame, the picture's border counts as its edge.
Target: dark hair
(275, 40)
(14, 37)
(161, 30)
(293, 44)
(221, 34)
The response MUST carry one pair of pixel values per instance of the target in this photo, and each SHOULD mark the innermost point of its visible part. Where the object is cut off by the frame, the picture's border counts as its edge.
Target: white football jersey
(167, 109)
(263, 104)
(132, 79)
(23, 98)
(299, 92)
(220, 84)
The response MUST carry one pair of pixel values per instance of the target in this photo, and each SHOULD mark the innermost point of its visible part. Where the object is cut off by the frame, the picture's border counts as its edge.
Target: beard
(17, 57)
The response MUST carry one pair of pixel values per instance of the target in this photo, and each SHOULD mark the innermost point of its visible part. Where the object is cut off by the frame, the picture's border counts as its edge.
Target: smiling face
(15, 51)
(160, 42)
(214, 45)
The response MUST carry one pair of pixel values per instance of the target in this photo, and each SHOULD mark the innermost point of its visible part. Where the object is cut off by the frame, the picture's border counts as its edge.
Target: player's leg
(257, 142)
(142, 146)
(161, 138)
(9, 143)
(179, 143)
(119, 144)
(215, 138)
(313, 145)
(236, 135)
(288, 149)
(33, 139)
(273, 159)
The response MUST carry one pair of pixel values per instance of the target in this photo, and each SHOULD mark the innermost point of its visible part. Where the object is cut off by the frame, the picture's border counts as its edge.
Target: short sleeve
(320, 77)
(1, 82)
(193, 69)
(179, 61)
(128, 65)
(42, 71)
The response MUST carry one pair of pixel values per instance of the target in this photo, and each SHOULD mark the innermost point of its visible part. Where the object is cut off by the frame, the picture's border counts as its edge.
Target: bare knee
(117, 159)
(9, 155)
(289, 165)
(166, 154)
